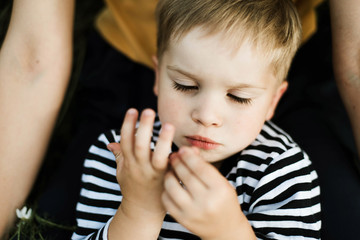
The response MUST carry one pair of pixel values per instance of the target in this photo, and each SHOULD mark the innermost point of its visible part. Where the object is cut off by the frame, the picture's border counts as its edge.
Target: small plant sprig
(30, 225)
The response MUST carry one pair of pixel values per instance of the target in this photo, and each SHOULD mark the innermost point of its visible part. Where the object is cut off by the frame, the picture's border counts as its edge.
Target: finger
(163, 147)
(115, 148)
(176, 193)
(170, 205)
(128, 132)
(203, 170)
(143, 135)
(191, 182)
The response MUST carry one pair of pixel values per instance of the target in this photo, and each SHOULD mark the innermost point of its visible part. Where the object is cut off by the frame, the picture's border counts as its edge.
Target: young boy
(232, 174)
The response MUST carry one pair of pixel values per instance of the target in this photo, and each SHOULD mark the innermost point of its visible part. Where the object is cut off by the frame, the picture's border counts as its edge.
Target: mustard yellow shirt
(129, 26)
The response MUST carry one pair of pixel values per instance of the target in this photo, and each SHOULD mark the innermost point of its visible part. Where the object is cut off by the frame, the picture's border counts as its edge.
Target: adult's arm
(35, 64)
(345, 24)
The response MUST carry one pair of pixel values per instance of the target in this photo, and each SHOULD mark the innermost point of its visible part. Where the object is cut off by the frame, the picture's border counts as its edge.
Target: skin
(35, 64)
(345, 26)
(231, 95)
(222, 94)
(207, 204)
(140, 174)
(28, 78)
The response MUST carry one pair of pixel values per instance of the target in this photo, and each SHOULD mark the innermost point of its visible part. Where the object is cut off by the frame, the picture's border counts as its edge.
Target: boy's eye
(184, 88)
(187, 88)
(234, 98)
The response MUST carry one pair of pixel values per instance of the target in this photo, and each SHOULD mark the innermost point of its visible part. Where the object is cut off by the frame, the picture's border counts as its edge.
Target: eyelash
(184, 88)
(245, 101)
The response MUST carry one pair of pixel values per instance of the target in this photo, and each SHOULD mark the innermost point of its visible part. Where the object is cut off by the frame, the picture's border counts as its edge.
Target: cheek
(170, 109)
(247, 125)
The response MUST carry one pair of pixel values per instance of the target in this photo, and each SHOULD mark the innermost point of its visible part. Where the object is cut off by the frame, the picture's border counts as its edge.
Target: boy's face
(217, 97)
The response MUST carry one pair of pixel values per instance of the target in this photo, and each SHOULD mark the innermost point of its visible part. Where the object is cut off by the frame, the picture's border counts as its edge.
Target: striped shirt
(276, 185)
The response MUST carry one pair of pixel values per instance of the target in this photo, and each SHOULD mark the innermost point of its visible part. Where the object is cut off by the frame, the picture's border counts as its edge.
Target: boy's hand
(140, 172)
(204, 202)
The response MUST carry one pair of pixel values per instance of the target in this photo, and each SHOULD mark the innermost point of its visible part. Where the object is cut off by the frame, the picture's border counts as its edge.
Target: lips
(202, 142)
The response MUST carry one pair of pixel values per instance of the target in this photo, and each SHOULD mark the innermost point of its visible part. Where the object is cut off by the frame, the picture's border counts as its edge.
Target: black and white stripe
(277, 189)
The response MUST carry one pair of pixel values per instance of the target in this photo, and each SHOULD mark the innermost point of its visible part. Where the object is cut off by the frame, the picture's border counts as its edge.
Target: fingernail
(167, 126)
(109, 147)
(172, 156)
(181, 150)
(131, 111)
(148, 112)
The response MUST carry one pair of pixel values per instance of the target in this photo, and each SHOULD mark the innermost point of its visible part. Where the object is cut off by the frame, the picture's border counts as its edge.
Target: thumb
(116, 150)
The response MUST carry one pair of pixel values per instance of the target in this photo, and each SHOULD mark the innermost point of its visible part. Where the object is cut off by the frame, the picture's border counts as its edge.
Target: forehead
(214, 56)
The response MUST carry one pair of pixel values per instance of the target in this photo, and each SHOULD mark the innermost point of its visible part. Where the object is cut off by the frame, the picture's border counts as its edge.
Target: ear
(156, 68)
(276, 98)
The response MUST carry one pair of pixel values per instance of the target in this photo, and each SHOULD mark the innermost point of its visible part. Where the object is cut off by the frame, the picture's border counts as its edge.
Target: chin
(211, 156)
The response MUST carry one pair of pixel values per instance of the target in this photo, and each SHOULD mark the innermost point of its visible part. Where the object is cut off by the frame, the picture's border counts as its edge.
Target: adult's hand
(35, 64)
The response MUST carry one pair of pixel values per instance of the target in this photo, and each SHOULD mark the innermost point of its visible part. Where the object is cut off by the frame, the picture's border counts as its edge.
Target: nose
(207, 113)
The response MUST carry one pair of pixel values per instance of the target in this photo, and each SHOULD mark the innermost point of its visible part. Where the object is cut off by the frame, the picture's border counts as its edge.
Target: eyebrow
(244, 86)
(176, 69)
(192, 76)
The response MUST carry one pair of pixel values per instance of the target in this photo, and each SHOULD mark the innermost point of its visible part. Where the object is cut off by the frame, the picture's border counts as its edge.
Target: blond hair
(272, 26)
